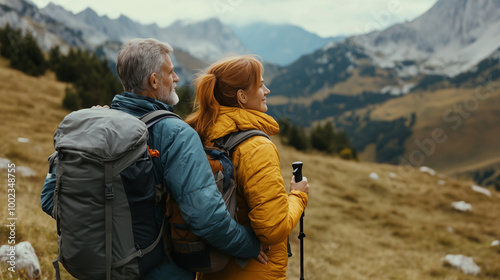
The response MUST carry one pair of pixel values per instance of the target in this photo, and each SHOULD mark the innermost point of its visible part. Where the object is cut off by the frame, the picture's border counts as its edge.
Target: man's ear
(153, 80)
(242, 96)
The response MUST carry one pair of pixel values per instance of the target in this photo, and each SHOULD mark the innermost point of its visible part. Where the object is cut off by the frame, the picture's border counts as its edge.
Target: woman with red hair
(230, 97)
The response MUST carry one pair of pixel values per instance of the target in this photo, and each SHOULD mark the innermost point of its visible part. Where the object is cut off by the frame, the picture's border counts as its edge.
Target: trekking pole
(297, 173)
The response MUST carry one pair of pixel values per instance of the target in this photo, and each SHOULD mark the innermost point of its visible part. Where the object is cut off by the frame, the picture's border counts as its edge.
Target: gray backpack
(109, 213)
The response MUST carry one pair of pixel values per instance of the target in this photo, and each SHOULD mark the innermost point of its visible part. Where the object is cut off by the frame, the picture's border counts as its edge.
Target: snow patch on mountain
(450, 38)
(397, 90)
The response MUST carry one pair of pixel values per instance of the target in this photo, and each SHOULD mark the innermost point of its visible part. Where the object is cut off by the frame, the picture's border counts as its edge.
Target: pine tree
(55, 58)
(323, 137)
(329, 135)
(66, 69)
(284, 124)
(297, 138)
(94, 82)
(71, 99)
(28, 57)
(342, 142)
(9, 40)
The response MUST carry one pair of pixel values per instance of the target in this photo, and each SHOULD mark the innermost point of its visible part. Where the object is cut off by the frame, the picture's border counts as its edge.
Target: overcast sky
(323, 17)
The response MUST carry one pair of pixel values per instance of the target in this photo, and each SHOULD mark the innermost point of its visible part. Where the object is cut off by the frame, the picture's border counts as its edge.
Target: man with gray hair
(145, 68)
(149, 80)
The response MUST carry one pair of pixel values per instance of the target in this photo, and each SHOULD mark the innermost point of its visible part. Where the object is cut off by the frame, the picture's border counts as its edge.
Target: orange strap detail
(153, 153)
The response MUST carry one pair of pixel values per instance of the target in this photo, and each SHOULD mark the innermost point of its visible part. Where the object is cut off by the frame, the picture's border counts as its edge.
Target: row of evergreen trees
(321, 137)
(22, 51)
(92, 80)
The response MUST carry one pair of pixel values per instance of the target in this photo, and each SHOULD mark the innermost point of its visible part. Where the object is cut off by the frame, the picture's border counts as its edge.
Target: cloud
(327, 17)
(324, 17)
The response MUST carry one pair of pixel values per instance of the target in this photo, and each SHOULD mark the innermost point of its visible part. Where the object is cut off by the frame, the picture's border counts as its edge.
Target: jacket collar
(232, 119)
(138, 105)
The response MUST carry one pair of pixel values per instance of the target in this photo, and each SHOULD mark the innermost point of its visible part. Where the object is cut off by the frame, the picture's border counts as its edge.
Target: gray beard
(169, 98)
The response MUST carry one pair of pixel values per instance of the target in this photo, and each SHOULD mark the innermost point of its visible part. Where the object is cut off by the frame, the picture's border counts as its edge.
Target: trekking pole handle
(297, 170)
(297, 173)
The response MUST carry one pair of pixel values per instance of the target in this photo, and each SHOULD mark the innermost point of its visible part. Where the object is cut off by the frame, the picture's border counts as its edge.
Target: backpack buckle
(139, 253)
(109, 191)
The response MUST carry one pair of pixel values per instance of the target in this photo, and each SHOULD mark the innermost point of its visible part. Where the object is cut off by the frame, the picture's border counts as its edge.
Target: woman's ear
(153, 80)
(242, 96)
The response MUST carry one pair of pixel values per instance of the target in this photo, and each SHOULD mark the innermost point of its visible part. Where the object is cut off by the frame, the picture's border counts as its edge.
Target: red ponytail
(206, 106)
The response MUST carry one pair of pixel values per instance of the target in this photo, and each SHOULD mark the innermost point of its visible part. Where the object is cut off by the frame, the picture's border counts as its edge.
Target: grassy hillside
(469, 118)
(391, 228)
(396, 227)
(354, 85)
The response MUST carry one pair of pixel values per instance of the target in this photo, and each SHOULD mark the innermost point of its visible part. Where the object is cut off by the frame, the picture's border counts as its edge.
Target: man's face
(167, 84)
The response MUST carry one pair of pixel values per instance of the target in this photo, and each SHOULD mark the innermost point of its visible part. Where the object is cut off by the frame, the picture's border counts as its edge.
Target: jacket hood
(232, 119)
(138, 105)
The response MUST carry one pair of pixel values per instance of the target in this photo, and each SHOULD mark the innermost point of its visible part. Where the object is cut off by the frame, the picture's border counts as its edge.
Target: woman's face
(257, 100)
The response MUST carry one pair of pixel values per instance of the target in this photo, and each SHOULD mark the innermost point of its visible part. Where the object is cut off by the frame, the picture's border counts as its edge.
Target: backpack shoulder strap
(153, 117)
(52, 162)
(231, 141)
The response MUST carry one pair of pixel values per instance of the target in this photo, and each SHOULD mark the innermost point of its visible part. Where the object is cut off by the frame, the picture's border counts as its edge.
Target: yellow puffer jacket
(264, 204)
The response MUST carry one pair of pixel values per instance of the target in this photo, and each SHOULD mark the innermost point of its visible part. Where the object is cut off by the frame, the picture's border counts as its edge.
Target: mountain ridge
(88, 30)
(468, 31)
(280, 43)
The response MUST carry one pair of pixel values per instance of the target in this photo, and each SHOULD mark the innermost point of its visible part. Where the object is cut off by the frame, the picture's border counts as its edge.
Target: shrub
(71, 100)
(346, 153)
